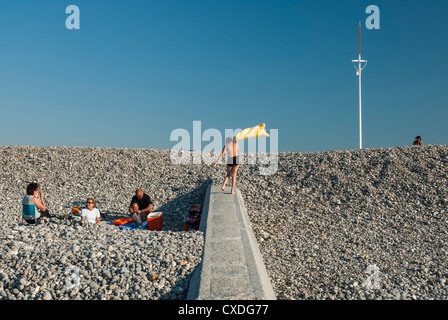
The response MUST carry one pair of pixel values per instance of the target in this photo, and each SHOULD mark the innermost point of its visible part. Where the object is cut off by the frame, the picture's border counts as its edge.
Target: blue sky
(137, 70)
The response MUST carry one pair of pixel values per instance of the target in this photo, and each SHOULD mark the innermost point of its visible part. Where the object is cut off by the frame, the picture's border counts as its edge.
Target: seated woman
(91, 213)
(36, 198)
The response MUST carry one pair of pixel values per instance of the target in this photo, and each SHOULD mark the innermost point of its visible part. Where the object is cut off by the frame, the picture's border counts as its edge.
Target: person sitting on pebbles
(140, 207)
(91, 213)
(35, 197)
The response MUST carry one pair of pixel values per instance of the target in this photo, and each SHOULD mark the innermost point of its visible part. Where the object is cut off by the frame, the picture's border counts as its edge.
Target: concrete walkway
(232, 267)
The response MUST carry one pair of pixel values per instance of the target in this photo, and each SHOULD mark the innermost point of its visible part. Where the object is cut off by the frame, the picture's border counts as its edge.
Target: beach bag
(137, 219)
(193, 219)
(76, 211)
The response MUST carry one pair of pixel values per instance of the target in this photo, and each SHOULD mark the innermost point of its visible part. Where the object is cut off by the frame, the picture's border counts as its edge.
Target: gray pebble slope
(354, 224)
(64, 259)
(358, 224)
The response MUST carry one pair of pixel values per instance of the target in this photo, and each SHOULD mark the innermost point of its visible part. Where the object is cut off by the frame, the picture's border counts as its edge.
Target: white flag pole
(359, 69)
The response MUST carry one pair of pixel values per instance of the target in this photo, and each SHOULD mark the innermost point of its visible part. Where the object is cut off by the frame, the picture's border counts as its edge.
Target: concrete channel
(232, 267)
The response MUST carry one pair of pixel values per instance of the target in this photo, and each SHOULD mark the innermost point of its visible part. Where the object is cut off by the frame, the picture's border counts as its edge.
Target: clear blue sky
(137, 70)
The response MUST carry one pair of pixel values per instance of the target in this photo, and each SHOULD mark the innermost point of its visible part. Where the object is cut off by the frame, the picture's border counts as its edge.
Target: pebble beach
(339, 225)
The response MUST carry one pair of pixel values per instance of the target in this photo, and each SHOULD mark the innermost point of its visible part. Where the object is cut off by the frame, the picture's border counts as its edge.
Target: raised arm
(40, 204)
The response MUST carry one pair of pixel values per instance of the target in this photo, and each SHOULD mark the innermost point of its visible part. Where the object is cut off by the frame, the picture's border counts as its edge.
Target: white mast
(359, 69)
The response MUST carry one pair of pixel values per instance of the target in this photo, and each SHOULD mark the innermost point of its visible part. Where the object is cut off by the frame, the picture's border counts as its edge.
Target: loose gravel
(353, 224)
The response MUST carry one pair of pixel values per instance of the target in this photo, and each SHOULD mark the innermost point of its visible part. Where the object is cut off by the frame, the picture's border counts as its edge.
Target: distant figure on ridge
(233, 162)
(418, 141)
(140, 207)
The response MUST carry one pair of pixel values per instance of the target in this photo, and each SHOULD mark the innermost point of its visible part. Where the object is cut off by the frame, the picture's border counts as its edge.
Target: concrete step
(232, 267)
